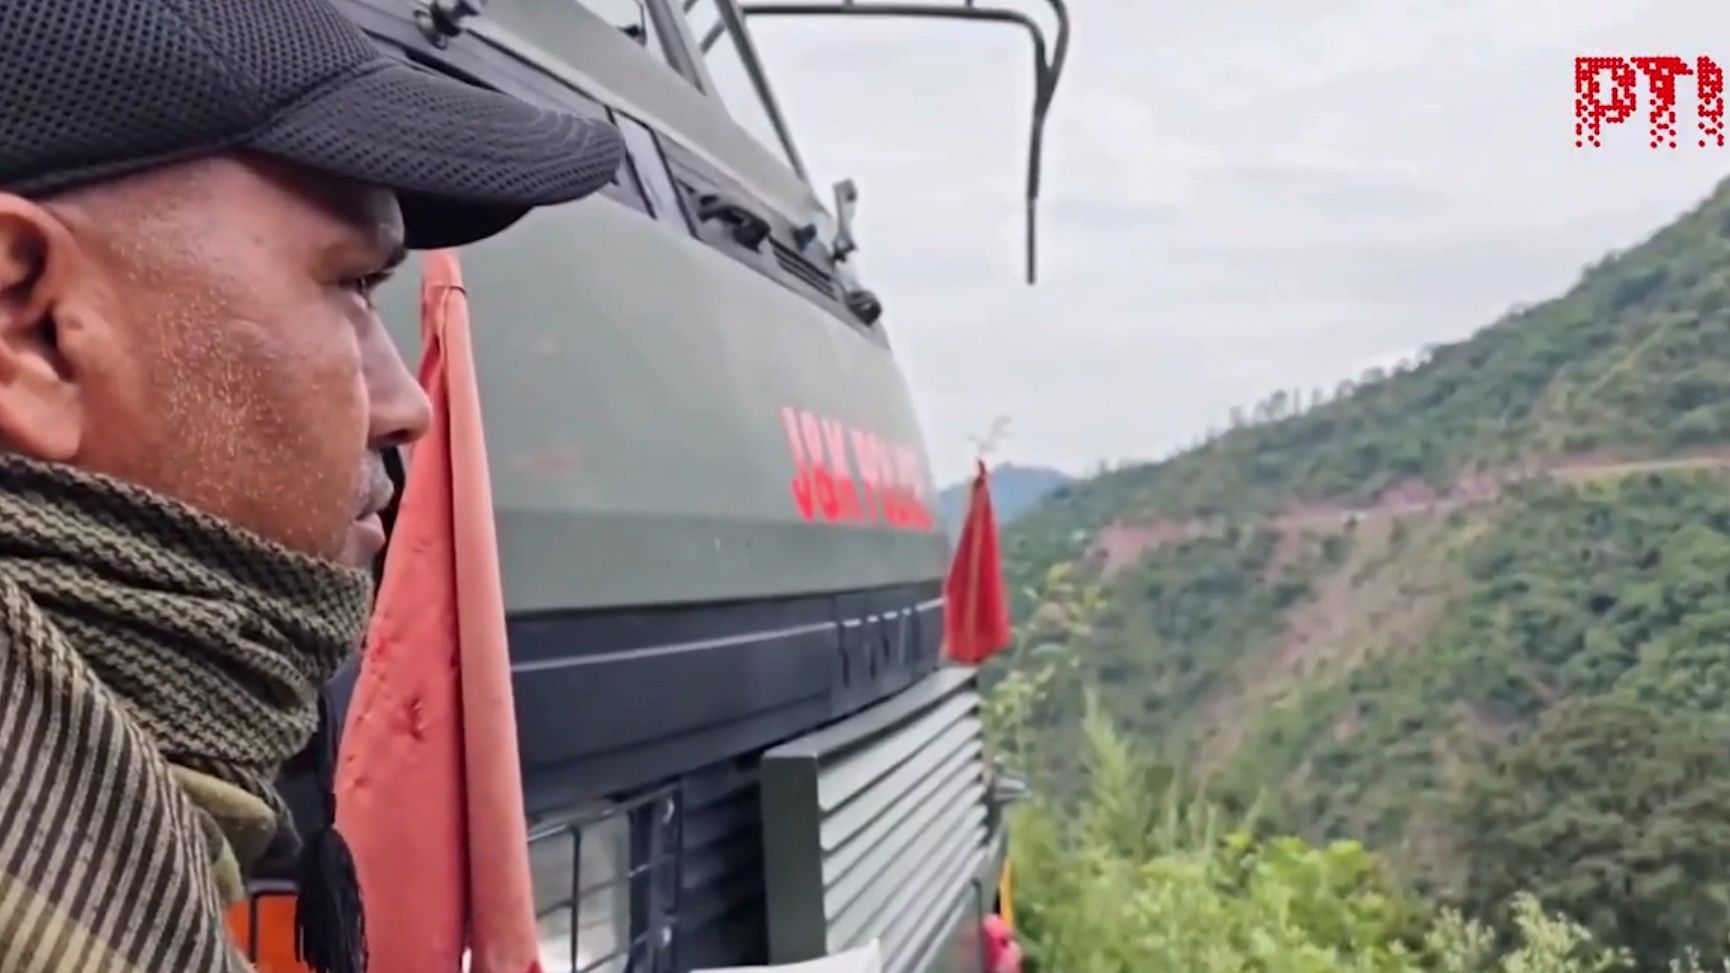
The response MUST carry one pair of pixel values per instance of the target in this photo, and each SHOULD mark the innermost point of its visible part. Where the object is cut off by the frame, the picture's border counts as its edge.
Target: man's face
(206, 331)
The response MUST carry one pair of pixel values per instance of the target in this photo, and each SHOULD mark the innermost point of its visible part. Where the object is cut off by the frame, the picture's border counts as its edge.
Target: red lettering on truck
(821, 478)
(802, 497)
(889, 486)
(871, 480)
(846, 492)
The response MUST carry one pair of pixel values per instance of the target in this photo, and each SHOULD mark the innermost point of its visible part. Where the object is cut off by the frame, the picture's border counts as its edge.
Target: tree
(1615, 814)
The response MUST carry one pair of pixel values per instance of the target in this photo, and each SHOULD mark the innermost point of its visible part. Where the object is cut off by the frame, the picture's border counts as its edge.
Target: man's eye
(364, 286)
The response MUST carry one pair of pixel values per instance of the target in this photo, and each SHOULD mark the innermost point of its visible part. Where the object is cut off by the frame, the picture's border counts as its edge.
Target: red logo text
(1606, 92)
(846, 475)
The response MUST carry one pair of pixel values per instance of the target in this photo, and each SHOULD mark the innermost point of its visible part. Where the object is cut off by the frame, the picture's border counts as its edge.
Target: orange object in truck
(263, 928)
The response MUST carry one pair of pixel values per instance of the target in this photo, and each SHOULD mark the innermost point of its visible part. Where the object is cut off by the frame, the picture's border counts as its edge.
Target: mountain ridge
(1547, 378)
(1353, 604)
(1015, 489)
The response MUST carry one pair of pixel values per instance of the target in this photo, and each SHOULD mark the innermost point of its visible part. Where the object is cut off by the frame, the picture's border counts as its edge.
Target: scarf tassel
(328, 919)
(330, 923)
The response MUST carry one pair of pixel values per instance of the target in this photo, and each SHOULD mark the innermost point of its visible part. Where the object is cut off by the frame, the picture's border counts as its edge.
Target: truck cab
(717, 529)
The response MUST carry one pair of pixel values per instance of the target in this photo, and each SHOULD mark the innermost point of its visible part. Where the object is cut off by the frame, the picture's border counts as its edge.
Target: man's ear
(40, 406)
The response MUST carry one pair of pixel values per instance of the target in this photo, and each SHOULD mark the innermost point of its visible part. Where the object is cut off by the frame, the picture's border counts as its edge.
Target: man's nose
(400, 411)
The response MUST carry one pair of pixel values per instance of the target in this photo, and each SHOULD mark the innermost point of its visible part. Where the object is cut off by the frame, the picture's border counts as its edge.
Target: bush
(1142, 877)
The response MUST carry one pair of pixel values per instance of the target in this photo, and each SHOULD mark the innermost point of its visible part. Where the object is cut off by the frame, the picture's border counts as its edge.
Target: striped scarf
(150, 655)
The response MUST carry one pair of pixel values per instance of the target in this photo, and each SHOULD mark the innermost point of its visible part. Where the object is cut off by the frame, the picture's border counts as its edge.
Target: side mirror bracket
(846, 205)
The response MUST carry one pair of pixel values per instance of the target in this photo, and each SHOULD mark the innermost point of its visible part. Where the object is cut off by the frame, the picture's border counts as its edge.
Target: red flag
(976, 610)
(429, 792)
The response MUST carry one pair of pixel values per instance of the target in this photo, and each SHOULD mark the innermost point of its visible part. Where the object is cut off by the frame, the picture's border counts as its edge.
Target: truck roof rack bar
(732, 20)
(1047, 68)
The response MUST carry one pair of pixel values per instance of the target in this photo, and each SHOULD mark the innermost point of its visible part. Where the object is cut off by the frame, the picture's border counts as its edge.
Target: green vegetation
(1140, 876)
(1176, 625)
(1449, 749)
(1620, 587)
(1459, 633)
(1615, 814)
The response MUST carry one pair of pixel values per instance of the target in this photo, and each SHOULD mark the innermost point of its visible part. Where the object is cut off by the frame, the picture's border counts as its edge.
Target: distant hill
(1357, 599)
(1014, 491)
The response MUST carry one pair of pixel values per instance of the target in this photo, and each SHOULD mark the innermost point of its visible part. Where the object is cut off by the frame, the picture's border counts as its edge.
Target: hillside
(1367, 606)
(1014, 491)
(1629, 362)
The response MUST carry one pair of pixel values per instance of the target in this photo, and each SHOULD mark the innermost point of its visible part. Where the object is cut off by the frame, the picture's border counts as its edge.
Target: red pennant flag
(429, 791)
(976, 610)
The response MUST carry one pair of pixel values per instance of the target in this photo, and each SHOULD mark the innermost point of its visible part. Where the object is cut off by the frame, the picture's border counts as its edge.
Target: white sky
(1240, 195)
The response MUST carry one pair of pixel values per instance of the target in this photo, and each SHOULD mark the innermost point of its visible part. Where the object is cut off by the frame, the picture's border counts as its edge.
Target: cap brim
(464, 161)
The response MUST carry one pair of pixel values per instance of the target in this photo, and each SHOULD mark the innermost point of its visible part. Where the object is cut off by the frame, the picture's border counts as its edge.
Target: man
(196, 200)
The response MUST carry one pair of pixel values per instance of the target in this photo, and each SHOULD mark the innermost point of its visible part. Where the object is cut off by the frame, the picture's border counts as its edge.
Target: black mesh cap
(92, 89)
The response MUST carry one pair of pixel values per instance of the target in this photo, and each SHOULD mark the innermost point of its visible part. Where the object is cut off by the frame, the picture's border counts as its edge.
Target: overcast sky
(1240, 195)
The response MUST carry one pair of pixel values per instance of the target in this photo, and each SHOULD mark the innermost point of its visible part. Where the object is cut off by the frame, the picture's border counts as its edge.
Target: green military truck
(717, 526)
